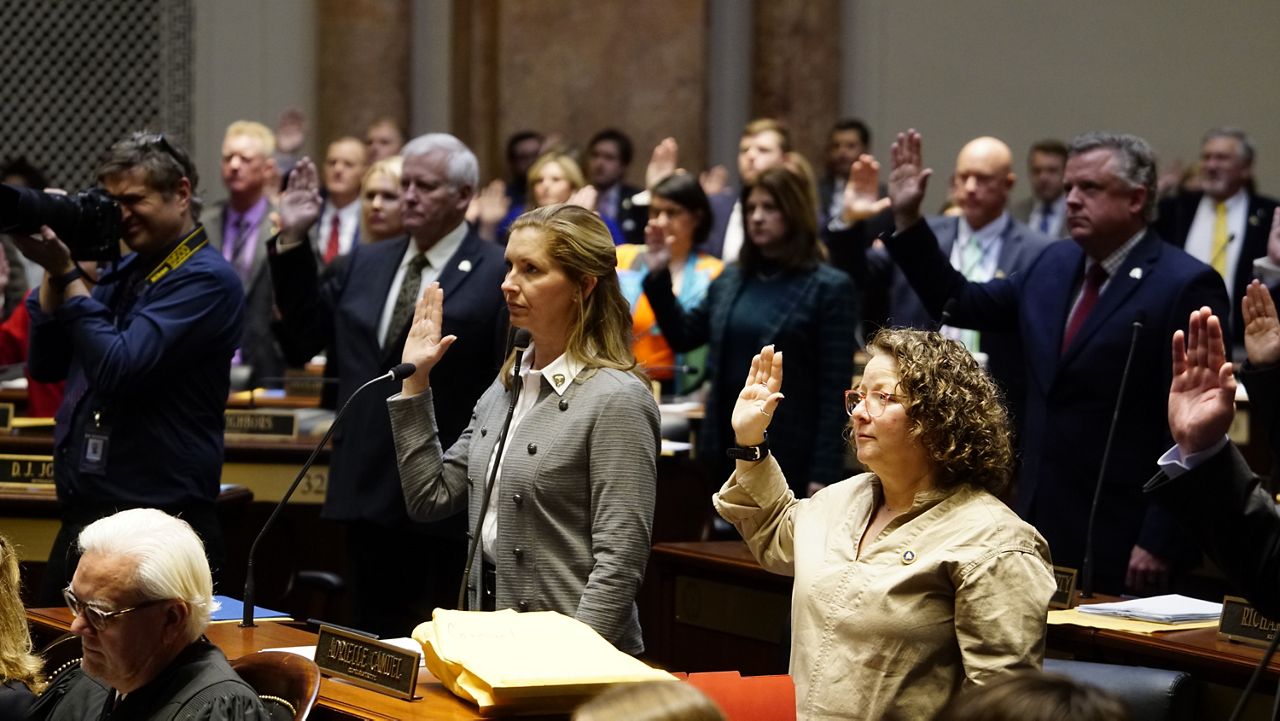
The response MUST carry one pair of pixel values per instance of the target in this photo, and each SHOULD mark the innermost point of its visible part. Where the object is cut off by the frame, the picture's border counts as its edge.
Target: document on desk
(538, 661)
(1073, 617)
(1170, 608)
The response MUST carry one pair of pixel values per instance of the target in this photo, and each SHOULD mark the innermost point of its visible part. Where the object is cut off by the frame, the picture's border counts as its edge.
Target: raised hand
(587, 197)
(488, 208)
(300, 204)
(714, 180)
(1202, 396)
(1261, 325)
(424, 347)
(759, 397)
(862, 193)
(1273, 239)
(657, 246)
(662, 162)
(908, 179)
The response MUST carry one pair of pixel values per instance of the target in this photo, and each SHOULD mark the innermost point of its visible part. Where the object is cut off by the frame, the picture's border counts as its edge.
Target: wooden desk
(1198, 652)
(337, 699)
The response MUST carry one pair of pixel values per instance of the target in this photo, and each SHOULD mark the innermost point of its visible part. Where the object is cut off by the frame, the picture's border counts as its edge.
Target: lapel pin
(464, 266)
(1253, 220)
(1136, 274)
(558, 379)
(908, 557)
(999, 273)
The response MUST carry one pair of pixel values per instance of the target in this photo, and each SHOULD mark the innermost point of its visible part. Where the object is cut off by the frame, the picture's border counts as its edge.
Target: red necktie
(331, 249)
(1093, 280)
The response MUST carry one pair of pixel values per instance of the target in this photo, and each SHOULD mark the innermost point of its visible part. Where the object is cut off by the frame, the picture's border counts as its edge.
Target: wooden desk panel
(337, 697)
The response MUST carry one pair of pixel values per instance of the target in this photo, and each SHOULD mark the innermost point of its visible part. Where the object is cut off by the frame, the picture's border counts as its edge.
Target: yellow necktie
(1219, 257)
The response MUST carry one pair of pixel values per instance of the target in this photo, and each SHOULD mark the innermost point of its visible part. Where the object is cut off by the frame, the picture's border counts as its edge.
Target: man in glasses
(145, 353)
(141, 598)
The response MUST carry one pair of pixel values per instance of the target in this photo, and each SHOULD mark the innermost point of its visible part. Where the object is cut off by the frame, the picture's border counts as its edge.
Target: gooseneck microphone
(397, 373)
(520, 343)
(1086, 589)
(945, 316)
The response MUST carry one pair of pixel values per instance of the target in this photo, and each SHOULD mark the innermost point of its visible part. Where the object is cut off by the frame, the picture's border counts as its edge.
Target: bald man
(983, 242)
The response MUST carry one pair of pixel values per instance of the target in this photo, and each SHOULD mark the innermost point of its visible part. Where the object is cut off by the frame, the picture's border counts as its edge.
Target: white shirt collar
(559, 373)
(994, 229)
(439, 254)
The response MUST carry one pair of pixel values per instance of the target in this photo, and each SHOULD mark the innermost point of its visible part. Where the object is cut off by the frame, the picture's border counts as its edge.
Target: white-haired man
(361, 310)
(141, 596)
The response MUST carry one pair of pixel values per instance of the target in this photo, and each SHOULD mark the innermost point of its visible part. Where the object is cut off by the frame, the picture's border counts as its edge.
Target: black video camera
(88, 222)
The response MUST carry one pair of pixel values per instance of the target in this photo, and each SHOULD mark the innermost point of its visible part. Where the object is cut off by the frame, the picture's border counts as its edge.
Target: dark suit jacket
(814, 324)
(343, 313)
(1174, 222)
(1072, 396)
(721, 209)
(885, 287)
(258, 349)
(1224, 506)
(631, 218)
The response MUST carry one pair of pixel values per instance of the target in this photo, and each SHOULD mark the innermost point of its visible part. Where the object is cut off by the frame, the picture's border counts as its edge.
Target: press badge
(96, 444)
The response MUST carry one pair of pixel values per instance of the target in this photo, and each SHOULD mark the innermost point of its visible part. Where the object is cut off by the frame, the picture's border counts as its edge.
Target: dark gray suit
(258, 347)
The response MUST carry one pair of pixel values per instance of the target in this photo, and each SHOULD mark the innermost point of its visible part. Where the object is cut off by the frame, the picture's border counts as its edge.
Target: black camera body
(88, 222)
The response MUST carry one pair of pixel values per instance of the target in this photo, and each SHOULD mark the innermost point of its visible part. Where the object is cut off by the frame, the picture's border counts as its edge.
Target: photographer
(146, 352)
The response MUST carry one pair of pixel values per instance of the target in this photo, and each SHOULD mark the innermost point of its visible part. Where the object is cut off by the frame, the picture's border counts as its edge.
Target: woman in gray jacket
(568, 524)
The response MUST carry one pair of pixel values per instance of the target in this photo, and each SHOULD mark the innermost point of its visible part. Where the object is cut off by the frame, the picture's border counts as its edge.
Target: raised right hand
(1261, 325)
(657, 247)
(759, 397)
(300, 204)
(908, 179)
(424, 347)
(1202, 397)
(662, 162)
(862, 193)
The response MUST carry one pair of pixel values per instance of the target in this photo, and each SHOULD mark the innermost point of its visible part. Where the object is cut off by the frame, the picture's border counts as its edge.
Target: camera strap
(196, 240)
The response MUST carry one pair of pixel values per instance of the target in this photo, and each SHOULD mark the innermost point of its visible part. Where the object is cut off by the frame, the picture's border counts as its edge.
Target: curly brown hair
(955, 409)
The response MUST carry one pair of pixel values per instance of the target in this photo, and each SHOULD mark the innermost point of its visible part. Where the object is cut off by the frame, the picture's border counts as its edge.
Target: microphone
(520, 343)
(399, 372)
(1086, 590)
(945, 316)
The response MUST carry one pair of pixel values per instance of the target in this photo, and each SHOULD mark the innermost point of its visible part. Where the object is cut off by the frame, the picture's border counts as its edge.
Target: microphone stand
(399, 372)
(1086, 590)
(521, 344)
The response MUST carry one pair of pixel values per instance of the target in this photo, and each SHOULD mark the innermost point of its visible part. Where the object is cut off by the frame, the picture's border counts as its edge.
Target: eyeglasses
(96, 616)
(875, 401)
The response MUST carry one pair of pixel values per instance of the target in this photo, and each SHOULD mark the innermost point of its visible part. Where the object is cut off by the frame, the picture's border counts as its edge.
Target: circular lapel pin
(908, 557)
(559, 379)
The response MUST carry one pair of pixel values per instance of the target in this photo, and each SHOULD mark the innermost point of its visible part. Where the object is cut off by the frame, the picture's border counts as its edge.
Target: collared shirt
(438, 256)
(835, 208)
(559, 374)
(1200, 235)
(976, 254)
(734, 235)
(1111, 264)
(242, 228)
(348, 227)
(954, 591)
(609, 202)
(1056, 213)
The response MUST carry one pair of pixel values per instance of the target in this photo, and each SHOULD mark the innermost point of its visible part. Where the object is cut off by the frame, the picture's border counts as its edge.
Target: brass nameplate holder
(368, 663)
(1242, 622)
(6, 416)
(26, 469)
(1065, 594)
(261, 424)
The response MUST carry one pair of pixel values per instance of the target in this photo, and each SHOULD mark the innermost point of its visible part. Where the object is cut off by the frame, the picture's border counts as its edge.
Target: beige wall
(1023, 70)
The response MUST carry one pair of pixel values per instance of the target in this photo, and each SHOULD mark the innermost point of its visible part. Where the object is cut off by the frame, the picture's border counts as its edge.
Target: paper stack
(1171, 608)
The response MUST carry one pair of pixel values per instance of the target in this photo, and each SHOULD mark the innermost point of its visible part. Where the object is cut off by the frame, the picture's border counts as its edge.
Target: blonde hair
(954, 407)
(650, 701)
(391, 167)
(255, 130)
(580, 245)
(17, 662)
(572, 171)
(170, 559)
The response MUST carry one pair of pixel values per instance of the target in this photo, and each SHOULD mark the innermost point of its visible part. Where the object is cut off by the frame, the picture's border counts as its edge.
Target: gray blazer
(575, 502)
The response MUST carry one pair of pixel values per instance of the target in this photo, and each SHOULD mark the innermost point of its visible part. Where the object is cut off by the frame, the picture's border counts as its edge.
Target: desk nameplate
(365, 662)
(261, 424)
(18, 468)
(1242, 622)
(1064, 596)
(6, 416)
